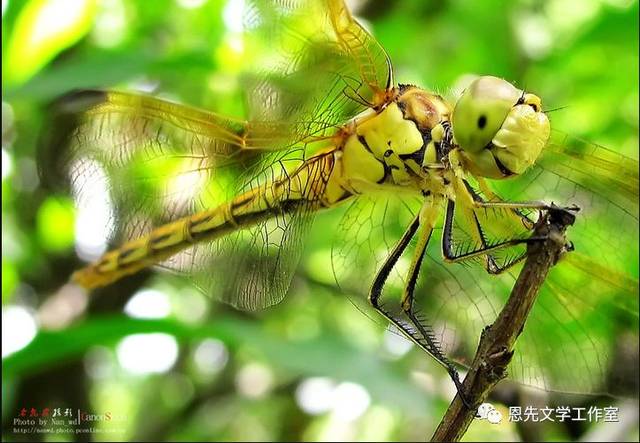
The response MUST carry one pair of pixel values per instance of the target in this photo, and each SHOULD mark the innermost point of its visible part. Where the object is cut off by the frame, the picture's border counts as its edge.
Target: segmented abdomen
(302, 189)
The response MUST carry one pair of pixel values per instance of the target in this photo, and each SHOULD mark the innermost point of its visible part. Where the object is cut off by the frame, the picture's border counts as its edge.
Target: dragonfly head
(499, 129)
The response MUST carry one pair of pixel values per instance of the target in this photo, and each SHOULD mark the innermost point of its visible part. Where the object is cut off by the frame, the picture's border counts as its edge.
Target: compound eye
(480, 111)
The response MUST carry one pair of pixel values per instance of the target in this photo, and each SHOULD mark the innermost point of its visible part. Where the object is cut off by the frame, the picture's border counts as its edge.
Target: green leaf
(42, 30)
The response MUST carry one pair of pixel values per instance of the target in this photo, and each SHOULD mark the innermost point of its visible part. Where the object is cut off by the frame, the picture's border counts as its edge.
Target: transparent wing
(312, 62)
(160, 160)
(606, 173)
(155, 161)
(603, 183)
(252, 268)
(368, 230)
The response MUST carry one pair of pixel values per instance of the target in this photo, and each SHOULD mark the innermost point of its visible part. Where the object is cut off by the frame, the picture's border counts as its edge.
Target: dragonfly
(229, 201)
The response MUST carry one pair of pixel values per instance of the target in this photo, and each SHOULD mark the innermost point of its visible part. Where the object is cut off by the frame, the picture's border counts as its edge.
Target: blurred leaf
(100, 69)
(10, 280)
(42, 30)
(326, 355)
(55, 224)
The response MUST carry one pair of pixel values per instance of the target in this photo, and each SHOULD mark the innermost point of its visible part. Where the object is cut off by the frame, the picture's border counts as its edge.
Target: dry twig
(498, 340)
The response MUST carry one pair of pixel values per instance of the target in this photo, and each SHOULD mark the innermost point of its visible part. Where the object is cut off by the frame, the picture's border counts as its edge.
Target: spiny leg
(383, 273)
(466, 192)
(381, 277)
(426, 332)
(540, 205)
(514, 210)
(493, 197)
(491, 266)
(421, 335)
(474, 201)
(490, 263)
(495, 202)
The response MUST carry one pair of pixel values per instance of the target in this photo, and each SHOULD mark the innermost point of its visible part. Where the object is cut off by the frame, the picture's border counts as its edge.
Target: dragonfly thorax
(387, 147)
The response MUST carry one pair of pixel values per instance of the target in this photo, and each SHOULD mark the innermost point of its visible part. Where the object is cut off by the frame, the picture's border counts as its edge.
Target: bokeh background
(164, 360)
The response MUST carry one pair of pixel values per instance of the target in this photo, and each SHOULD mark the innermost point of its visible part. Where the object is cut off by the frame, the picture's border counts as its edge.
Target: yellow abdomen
(302, 189)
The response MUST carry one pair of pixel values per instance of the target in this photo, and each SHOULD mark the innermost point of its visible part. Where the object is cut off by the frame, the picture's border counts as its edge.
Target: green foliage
(55, 224)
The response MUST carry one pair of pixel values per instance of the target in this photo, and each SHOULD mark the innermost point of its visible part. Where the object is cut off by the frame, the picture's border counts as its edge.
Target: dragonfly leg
(382, 275)
(485, 249)
(540, 205)
(490, 264)
(427, 339)
(495, 202)
(416, 330)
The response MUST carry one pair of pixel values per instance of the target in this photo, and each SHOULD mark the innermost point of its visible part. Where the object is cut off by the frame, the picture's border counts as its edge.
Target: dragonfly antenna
(556, 109)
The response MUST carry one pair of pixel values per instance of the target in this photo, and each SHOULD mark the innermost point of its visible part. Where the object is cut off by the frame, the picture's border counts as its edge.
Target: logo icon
(486, 411)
